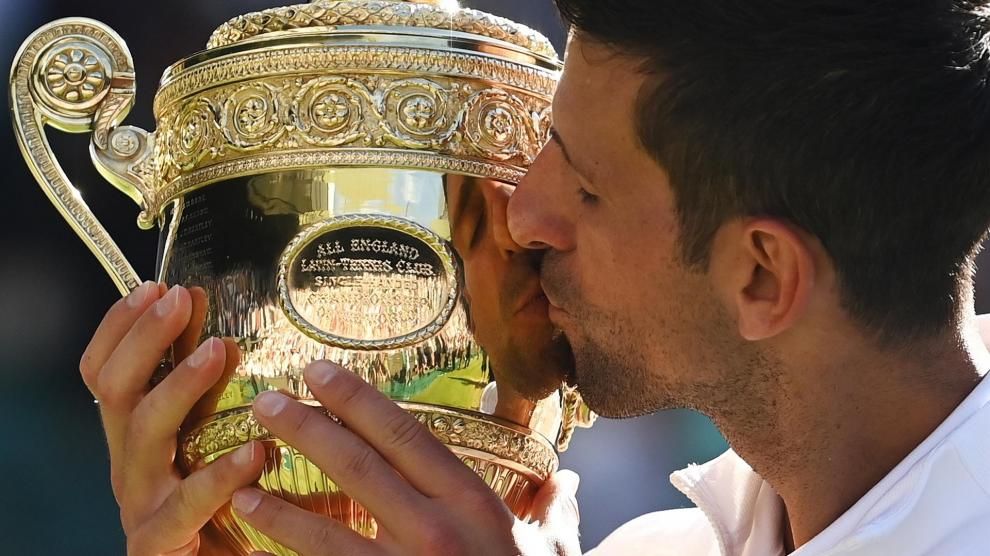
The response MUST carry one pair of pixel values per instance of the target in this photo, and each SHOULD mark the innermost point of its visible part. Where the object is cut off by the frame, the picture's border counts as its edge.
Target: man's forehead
(595, 104)
(596, 75)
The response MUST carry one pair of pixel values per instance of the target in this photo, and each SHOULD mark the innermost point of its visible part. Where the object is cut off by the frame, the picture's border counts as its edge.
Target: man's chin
(611, 388)
(611, 407)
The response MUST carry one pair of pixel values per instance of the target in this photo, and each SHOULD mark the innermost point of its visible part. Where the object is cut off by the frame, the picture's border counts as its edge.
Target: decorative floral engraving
(451, 117)
(192, 135)
(417, 112)
(367, 104)
(351, 60)
(543, 123)
(499, 127)
(328, 111)
(331, 112)
(251, 117)
(76, 75)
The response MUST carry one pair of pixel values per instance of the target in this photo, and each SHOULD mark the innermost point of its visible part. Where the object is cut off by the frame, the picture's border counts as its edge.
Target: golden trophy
(326, 173)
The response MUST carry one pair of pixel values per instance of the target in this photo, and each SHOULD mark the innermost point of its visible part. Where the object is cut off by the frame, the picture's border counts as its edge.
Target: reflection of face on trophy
(507, 310)
(334, 176)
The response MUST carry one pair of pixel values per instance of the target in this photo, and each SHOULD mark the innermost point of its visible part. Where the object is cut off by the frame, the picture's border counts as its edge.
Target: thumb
(555, 504)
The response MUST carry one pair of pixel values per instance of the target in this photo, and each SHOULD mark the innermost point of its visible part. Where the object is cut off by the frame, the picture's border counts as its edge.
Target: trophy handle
(77, 75)
(576, 414)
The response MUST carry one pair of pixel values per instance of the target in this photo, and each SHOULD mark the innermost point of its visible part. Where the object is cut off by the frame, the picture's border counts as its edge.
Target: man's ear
(764, 270)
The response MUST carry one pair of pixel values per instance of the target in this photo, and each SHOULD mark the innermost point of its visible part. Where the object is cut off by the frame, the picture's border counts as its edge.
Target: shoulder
(667, 533)
(939, 505)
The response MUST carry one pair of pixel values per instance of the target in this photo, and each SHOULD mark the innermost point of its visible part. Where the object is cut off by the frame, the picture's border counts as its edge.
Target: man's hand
(160, 512)
(425, 500)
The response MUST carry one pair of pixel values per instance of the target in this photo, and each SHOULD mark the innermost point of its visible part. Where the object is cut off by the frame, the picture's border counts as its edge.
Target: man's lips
(553, 304)
(554, 311)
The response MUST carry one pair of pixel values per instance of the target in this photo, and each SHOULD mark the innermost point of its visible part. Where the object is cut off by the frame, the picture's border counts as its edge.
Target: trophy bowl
(328, 174)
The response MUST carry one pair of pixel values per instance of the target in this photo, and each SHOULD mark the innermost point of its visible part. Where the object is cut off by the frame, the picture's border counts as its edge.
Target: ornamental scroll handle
(76, 75)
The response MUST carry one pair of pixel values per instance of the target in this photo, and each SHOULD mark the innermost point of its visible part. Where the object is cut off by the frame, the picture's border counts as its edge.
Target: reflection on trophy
(328, 173)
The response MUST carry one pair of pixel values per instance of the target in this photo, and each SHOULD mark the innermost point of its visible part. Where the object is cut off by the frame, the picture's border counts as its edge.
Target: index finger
(395, 434)
(115, 324)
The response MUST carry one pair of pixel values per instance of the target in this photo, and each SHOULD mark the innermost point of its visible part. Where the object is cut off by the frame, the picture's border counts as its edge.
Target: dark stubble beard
(617, 384)
(743, 398)
(721, 375)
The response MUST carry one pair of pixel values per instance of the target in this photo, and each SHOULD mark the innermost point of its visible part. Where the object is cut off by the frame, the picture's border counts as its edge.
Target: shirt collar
(746, 514)
(744, 511)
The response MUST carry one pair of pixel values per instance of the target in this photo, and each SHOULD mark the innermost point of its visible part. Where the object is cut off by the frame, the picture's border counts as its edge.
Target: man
(766, 211)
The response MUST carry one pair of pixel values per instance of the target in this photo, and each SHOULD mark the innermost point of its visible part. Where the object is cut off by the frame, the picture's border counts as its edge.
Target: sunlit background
(56, 496)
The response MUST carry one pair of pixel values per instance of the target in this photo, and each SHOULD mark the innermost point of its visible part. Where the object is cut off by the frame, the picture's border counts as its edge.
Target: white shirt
(936, 502)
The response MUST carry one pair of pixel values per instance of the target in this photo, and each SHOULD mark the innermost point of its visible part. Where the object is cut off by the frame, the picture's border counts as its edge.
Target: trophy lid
(444, 15)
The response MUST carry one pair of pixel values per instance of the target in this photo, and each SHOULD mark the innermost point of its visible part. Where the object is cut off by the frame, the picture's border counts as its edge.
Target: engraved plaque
(368, 282)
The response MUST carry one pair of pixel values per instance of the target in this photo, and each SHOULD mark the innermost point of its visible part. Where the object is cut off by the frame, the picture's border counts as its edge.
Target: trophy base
(512, 460)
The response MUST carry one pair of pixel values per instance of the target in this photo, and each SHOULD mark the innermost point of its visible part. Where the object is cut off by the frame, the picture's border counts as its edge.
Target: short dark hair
(864, 122)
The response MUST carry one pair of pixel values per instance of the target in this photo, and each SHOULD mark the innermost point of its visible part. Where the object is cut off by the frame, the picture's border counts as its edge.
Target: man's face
(508, 310)
(646, 331)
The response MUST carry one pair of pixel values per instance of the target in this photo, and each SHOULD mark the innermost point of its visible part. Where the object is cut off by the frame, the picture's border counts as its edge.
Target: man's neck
(834, 430)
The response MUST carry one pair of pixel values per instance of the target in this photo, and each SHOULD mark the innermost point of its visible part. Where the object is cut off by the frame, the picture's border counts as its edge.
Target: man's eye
(586, 197)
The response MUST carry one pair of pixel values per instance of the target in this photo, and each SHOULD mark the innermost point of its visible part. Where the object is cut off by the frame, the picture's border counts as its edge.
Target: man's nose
(537, 211)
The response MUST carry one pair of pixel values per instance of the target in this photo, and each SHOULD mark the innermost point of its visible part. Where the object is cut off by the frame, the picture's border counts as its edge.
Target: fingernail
(244, 455)
(202, 355)
(167, 304)
(270, 404)
(320, 373)
(246, 500)
(139, 295)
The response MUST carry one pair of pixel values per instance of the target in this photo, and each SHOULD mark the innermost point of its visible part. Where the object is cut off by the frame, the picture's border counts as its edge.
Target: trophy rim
(443, 42)
(522, 449)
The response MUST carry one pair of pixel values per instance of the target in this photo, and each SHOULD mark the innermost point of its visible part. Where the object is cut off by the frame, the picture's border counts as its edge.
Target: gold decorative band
(460, 430)
(326, 13)
(438, 123)
(180, 83)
